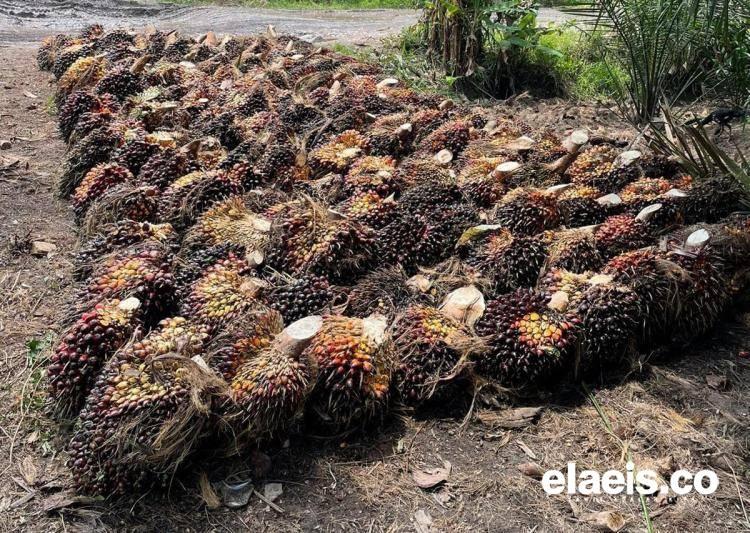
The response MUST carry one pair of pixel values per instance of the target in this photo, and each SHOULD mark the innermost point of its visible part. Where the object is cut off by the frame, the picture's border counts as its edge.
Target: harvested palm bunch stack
(252, 183)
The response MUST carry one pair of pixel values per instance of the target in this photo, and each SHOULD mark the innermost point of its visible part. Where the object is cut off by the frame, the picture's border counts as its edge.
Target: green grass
(305, 4)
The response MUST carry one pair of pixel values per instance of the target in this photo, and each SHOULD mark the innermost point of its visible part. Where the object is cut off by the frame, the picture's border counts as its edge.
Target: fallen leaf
(526, 449)
(28, 470)
(423, 521)
(509, 418)
(717, 382)
(428, 479)
(62, 500)
(533, 470)
(610, 520)
(208, 494)
(272, 491)
(27, 94)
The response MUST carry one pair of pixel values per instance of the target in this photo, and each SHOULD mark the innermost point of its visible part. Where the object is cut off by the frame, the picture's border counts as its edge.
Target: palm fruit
(320, 242)
(428, 346)
(353, 371)
(277, 157)
(574, 250)
(90, 121)
(144, 273)
(384, 291)
(658, 166)
(299, 297)
(418, 170)
(85, 347)
(165, 166)
(45, 56)
(114, 39)
(390, 135)
(120, 83)
(84, 73)
(452, 136)
(67, 56)
(564, 289)
(620, 233)
(372, 174)
(190, 195)
(135, 151)
(339, 153)
(221, 293)
(116, 237)
(509, 261)
(142, 419)
(527, 343)
(479, 182)
(124, 201)
(593, 166)
(422, 198)
(76, 104)
(713, 199)
(369, 208)
(655, 280)
(577, 212)
(527, 211)
(415, 239)
(546, 149)
(98, 180)
(93, 149)
(644, 190)
(610, 317)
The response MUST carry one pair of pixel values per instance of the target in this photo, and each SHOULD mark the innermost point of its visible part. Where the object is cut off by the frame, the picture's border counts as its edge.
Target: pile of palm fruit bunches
(275, 234)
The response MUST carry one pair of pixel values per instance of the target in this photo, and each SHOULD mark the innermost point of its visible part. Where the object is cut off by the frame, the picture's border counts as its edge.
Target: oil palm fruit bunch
(166, 166)
(76, 105)
(564, 289)
(90, 151)
(45, 56)
(526, 341)
(118, 236)
(85, 72)
(452, 136)
(593, 167)
(581, 211)
(98, 180)
(527, 211)
(372, 174)
(390, 135)
(572, 249)
(242, 340)
(644, 191)
(142, 272)
(279, 156)
(296, 298)
(547, 147)
(142, 419)
(124, 201)
(315, 240)
(353, 371)
(384, 291)
(481, 182)
(429, 195)
(338, 154)
(120, 82)
(416, 170)
(137, 149)
(714, 199)
(611, 317)
(369, 208)
(222, 293)
(69, 55)
(271, 388)
(190, 195)
(429, 347)
(509, 261)
(621, 233)
(658, 166)
(85, 347)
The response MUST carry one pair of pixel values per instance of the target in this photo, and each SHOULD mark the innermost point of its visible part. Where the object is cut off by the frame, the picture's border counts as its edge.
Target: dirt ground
(683, 410)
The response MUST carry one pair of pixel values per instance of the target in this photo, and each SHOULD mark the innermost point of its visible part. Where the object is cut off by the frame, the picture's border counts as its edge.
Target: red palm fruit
(621, 233)
(85, 347)
(98, 180)
(527, 211)
(124, 201)
(573, 249)
(452, 136)
(338, 154)
(372, 174)
(369, 208)
(190, 195)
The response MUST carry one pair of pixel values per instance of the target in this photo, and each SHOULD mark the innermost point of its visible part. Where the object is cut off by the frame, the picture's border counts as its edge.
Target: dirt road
(24, 21)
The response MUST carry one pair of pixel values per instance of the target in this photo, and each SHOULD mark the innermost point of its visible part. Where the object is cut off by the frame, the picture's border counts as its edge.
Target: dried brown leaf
(428, 479)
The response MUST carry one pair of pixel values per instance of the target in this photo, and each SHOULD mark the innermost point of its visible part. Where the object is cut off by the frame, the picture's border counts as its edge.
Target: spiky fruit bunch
(45, 56)
(526, 342)
(593, 166)
(354, 373)
(424, 239)
(76, 104)
(123, 201)
(577, 212)
(573, 250)
(428, 347)
(621, 233)
(303, 296)
(145, 274)
(644, 190)
(369, 208)
(339, 153)
(93, 149)
(117, 236)
(372, 174)
(166, 166)
(136, 151)
(655, 280)
(563, 287)
(427, 196)
(509, 261)
(120, 83)
(658, 166)
(316, 241)
(83, 73)
(231, 222)
(188, 196)
(125, 438)
(389, 136)
(610, 321)
(95, 182)
(268, 391)
(713, 199)
(69, 55)
(527, 211)
(383, 291)
(453, 136)
(278, 157)
(418, 170)
(221, 294)
(546, 148)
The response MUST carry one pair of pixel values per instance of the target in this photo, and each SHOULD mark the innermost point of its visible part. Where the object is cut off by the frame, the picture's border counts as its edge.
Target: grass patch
(304, 4)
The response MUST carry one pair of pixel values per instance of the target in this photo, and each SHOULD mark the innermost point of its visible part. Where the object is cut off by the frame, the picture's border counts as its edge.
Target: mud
(24, 21)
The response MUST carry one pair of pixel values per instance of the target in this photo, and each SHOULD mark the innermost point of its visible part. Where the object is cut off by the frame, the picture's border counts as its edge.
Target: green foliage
(36, 361)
